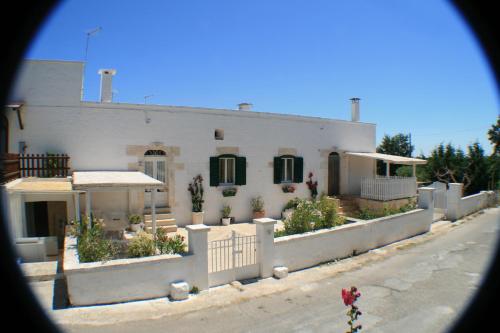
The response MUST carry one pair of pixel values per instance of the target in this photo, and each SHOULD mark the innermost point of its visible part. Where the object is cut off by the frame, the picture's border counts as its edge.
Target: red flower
(348, 297)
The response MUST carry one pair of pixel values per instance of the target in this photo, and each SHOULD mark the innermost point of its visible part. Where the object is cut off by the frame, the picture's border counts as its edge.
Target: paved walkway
(218, 232)
(417, 285)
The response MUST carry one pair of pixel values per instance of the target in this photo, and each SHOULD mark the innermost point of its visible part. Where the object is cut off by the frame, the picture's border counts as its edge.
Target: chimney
(355, 109)
(107, 85)
(245, 107)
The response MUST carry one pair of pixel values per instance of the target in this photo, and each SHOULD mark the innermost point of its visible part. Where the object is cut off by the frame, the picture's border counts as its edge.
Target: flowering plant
(313, 186)
(350, 297)
(196, 190)
(288, 188)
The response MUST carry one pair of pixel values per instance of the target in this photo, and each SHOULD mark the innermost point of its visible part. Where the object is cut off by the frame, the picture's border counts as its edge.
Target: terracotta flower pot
(197, 217)
(259, 215)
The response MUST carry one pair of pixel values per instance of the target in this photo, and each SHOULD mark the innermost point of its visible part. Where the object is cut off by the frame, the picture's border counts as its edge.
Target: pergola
(390, 159)
(106, 181)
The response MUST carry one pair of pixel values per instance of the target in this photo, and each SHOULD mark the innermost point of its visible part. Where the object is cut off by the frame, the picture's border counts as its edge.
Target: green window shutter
(277, 170)
(298, 170)
(241, 171)
(214, 171)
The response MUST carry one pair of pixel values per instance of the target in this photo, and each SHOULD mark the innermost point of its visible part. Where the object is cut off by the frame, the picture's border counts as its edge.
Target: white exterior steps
(164, 220)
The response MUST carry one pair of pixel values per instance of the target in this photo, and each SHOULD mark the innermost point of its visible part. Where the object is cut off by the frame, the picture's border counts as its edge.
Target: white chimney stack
(245, 107)
(355, 109)
(107, 85)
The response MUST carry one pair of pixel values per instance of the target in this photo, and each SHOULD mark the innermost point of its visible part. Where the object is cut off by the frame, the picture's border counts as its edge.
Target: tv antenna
(147, 119)
(89, 34)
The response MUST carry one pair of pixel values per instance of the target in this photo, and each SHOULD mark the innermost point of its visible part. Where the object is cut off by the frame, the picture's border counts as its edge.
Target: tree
(494, 137)
(494, 159)
(399, 145)
(448, 164)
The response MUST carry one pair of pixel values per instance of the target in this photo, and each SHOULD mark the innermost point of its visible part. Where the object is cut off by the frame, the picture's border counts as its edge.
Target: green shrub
(292, 204)
(279, 233)
(303, 219)
(169, 245)
(329, 214)
(370, 214)
(143, 245)
(91, 244)
(134, 219)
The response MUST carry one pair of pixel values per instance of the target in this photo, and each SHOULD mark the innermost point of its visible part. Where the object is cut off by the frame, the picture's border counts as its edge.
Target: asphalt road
(420, 287)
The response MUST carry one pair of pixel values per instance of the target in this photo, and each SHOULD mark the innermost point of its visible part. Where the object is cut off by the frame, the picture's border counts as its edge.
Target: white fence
(388, 188)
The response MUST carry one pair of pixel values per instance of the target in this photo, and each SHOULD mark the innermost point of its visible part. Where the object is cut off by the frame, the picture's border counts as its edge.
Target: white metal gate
(232, 259)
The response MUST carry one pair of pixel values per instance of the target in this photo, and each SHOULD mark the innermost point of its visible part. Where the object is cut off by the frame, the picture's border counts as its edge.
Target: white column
(76, 199)
(265, 245)
(387, 169)
(198, 246)
(153, 210)
(414, 172)
(88, 206)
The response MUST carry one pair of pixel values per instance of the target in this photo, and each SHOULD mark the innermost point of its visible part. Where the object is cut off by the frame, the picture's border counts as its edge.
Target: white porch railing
(388, 188)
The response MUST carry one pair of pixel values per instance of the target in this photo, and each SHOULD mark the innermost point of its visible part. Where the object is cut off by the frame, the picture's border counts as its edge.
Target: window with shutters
(287, 169)
(226, 170)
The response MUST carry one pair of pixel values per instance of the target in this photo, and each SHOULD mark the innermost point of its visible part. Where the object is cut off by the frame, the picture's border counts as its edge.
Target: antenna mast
(89, 34)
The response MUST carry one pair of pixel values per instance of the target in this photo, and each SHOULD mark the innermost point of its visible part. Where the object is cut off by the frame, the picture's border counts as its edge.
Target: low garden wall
(312, 248)
(458, 207)
(123, 280)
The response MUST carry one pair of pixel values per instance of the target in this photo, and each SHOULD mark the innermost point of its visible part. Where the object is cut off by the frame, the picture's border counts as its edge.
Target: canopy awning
(114, 179)
(389, 158)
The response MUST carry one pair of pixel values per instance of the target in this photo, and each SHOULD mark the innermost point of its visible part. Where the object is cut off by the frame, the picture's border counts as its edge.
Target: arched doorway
(333, 174)
(155, 166)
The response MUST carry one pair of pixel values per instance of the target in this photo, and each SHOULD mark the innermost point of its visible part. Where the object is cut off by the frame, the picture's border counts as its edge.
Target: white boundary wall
(135, 279)
(150, 277)
(309, 249)
(458, 207)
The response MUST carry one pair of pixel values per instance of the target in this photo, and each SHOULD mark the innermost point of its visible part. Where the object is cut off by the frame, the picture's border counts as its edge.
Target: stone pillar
(453, 198)
(426, 201)
(88, 206)
(198, 246)
(265, 245)
(76, 198)
(426, 198)
(153, 211)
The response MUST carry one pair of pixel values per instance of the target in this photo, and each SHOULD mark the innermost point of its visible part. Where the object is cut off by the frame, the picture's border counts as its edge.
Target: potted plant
(196, 190)
(226, 211)
(135, 222)
(258, 207)
(229, 192)
(288, 188)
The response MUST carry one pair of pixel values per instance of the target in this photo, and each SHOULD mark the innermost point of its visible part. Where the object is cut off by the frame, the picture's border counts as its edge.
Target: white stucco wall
(96, 137)
(123, 279)
(329, 244)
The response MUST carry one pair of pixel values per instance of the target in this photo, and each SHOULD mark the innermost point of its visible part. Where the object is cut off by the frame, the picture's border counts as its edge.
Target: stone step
(159, 216)
(169, 228)
(158, 210)
(162, 222)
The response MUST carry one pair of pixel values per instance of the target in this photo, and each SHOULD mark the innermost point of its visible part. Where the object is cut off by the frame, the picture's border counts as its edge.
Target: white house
(254, 152)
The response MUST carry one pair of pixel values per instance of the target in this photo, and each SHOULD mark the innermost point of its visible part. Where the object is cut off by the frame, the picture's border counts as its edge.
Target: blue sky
(415, 65)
